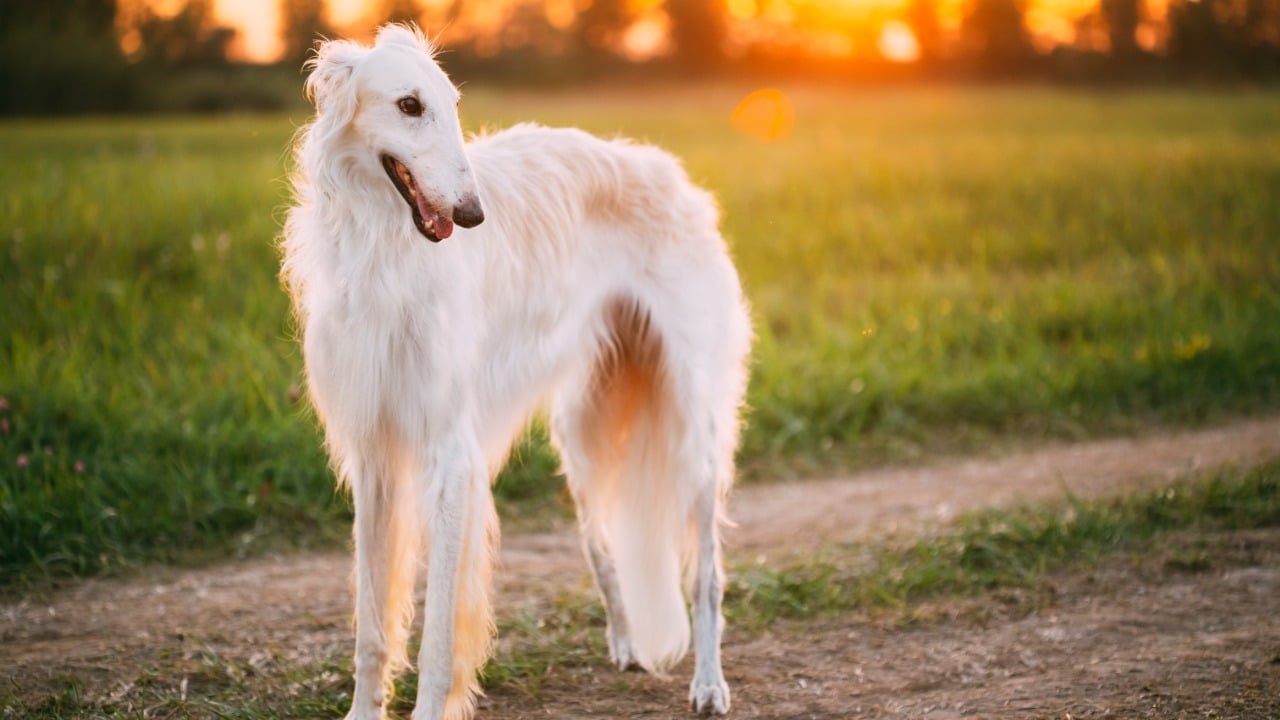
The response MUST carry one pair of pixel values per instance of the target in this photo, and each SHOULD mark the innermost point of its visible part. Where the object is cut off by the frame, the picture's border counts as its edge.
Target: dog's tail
(648, 535)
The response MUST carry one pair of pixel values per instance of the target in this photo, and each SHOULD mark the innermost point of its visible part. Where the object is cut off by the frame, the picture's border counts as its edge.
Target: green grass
(985, 554)
(930, 271)
(996, 549)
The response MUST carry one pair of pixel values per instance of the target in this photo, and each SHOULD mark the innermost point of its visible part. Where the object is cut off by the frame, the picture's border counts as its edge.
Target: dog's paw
(622, 653)
(709, 698)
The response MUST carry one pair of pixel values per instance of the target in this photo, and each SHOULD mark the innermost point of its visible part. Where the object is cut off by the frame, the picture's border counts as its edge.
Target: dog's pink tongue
(443, 228)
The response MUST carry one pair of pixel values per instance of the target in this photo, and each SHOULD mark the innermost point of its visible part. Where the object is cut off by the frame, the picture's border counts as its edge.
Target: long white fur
(597, 284)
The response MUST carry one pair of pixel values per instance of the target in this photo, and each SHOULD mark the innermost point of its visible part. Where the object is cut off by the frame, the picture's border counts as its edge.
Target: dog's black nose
(468, 213)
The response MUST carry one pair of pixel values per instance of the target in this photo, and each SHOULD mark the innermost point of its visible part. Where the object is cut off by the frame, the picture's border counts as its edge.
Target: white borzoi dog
(447, 290)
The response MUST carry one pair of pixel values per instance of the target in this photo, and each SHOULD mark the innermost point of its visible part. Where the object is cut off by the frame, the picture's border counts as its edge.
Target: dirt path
(1125, 642)
(1215, 629)
(794, 515)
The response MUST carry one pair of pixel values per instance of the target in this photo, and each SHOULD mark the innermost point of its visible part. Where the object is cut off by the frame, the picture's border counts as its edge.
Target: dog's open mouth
(433, 225)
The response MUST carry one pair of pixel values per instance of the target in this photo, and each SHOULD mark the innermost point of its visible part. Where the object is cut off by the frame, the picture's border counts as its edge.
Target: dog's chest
(370, 353)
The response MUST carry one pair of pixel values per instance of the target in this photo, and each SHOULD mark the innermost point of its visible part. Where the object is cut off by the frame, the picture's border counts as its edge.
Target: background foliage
(68, 56)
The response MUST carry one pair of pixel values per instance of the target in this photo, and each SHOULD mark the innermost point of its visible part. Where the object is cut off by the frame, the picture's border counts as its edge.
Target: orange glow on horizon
(835, 27)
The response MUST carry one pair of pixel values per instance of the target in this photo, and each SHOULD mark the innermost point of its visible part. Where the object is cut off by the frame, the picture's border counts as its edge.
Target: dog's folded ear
(329, 85)
(409, 35)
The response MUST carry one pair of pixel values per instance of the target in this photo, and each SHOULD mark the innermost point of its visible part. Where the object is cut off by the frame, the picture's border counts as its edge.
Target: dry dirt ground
(1131, 639)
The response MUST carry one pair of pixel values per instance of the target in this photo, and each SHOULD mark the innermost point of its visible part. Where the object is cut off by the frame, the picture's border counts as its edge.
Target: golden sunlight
(897, 43)
(742, 9)
(258, 24)
(765, 115)
(348, 12)
(646, 39)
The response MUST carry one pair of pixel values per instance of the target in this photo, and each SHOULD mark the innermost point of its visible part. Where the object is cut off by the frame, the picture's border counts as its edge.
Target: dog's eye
(410, 105)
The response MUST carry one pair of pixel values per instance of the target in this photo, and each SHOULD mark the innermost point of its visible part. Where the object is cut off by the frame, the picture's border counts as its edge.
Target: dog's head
(395, 113)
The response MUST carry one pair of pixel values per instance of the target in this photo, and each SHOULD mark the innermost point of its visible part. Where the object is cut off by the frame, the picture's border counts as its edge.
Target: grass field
(930, 271)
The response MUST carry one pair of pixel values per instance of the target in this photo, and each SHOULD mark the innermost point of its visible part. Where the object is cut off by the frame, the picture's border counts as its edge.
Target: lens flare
(765, 115)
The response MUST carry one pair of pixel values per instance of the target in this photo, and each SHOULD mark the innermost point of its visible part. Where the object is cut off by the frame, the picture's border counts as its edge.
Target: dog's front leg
(386, 543)
(457, 626)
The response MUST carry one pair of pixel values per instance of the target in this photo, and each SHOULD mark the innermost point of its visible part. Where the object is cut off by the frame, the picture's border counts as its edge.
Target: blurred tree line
(65, 56)
(94, 56)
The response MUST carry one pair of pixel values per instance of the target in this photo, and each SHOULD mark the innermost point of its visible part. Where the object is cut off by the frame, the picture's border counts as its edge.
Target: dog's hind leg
(589, 471)
(386, 544)
(606, 575)
(706, 381)
(708, 693)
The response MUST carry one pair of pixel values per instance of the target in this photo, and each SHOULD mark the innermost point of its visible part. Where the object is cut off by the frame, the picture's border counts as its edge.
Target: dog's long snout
(468, 213)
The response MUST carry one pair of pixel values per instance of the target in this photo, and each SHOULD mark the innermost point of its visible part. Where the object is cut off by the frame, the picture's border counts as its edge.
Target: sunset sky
(259, 23)
(1051, 21)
